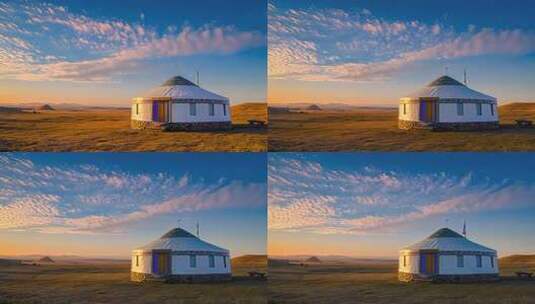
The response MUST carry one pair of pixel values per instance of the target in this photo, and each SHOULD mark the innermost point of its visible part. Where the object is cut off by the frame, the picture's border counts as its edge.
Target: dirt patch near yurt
(378, 283)
(376, 129)
(101, 129)
(110, 283)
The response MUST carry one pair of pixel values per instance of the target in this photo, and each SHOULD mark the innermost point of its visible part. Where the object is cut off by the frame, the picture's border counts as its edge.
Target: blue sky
(374, 52)
(105, 204)
(372, 204)
(107, 52)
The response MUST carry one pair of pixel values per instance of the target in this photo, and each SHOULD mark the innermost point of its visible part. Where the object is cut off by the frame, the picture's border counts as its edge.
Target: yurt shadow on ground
(179, 256)
(447, 104)
(446, 256)
(181, 105)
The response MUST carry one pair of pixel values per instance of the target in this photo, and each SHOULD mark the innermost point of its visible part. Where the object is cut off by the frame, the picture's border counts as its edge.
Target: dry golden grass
(376, 130)
(111, 284)
(378, 284)
(109, 130)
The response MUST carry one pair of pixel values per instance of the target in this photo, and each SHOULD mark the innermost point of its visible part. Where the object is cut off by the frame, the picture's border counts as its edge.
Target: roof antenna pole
(198, 83)
(446, 70)
(465, 83)
(464, 228)
(198, 235)
(178, 221)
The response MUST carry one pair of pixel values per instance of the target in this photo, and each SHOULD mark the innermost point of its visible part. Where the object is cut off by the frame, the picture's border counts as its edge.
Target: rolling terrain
(110, 283)
(378, 283)
(97, 129)
(375, 129)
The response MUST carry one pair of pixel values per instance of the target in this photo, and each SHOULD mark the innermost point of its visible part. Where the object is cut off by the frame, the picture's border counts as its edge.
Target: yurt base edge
(441, 278)
(198, 278)
(447, 126)
(197, 126)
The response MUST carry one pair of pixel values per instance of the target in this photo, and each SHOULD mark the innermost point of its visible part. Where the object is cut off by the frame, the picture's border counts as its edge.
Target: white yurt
(179, 256)
(447, 256)
(179, 104)
(447, 104)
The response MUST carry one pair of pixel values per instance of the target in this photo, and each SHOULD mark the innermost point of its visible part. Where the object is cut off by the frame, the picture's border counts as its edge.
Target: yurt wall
(409, 263)
(408, 110)
(466, 112)
(449, 264)
(141, 263)
(142, 111)
(183, 265)
(183, 112)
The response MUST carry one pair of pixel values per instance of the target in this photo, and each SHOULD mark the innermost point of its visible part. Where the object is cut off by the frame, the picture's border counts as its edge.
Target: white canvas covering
(182, 244)
(181, 92)
(450, 92)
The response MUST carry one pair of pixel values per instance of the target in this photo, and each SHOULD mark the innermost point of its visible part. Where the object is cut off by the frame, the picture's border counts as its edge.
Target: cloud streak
(304, 196)
(88, 199)
(47, 42)
(335, 45)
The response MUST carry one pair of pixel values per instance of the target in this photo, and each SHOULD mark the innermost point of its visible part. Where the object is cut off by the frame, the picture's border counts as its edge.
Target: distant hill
(6, 262)
(338, 259)
(10, 110)
(253, 261)
(313, 107)
(299, 106)
(46, 260)
(45, 107)
(243, 112)
(278, 262)
(313, 260)
(517, 110)
(518, 260)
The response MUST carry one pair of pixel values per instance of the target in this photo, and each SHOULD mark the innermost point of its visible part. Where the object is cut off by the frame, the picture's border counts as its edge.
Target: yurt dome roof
(178, 80)
(445, 87)
(180, 88)
(178, 239)
(446, 239)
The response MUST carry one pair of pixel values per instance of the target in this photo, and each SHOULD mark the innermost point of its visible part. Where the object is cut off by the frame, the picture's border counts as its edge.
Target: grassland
(369, 283)
(102, 283)
(376, 130)
(109, 130)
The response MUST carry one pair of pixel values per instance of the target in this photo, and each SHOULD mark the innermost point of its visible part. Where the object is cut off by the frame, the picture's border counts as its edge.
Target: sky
(375, 52)
(107, 204)
(373, 204)
(106, 53)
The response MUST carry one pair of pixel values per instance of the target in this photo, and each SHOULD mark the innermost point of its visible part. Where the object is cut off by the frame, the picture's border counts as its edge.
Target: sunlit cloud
(304, 196)
(336, 45)
(88, 199)
(41, 41)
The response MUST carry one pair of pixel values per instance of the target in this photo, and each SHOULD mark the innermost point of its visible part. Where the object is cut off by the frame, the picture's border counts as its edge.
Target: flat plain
(110, 283)
(375, 129)
(378, 283)
(109, 130)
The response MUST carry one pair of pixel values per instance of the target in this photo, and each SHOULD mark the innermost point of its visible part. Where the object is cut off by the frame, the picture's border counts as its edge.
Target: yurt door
(159, 111)
(427, 110)
(161, 263)
(428, 263)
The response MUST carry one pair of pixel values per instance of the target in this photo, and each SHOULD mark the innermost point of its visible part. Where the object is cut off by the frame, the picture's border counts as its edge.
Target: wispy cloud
(337, 45)
(305, 196)
(41, 41)
(88, 199)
